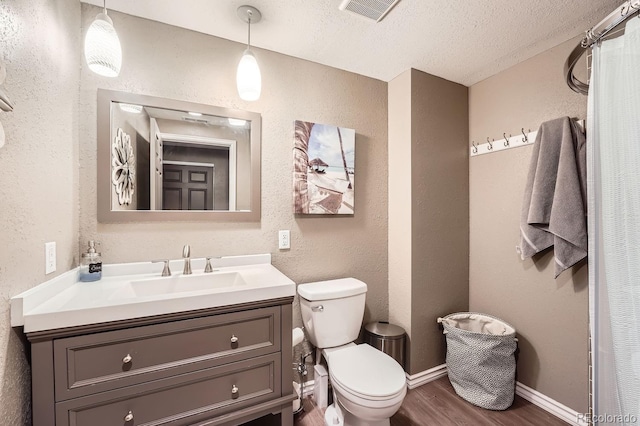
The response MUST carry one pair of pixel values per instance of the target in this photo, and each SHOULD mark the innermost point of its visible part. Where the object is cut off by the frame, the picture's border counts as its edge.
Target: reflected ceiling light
(237, 122)
(195, 114)
(132, 108)
(102, 46)
(248, 78)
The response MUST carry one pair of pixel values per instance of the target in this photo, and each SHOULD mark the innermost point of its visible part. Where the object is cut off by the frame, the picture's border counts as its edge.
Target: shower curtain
(613, 156)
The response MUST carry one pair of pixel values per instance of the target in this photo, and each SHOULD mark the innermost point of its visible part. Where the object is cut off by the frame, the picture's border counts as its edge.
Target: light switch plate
(49, 257)
(284, 239)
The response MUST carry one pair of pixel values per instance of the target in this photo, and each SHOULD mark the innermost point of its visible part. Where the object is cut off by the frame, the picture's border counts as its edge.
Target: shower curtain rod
(594, 35)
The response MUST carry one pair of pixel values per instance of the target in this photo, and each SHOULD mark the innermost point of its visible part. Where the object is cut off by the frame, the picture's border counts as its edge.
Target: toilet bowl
(369, 385)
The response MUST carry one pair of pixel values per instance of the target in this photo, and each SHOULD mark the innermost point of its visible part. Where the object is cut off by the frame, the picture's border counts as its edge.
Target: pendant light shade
(248, 78)
(102, 47)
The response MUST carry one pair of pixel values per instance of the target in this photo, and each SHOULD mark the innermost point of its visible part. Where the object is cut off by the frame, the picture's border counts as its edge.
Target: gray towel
(554, 205)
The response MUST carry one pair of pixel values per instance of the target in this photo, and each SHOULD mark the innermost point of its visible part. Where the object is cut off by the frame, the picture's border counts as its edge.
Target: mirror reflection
(182, 160)
(172, 156)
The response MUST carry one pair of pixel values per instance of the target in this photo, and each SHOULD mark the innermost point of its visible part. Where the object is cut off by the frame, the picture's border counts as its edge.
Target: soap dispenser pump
(91, 265)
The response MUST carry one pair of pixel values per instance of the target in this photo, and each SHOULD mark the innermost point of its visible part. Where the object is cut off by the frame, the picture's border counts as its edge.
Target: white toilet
(368, 384)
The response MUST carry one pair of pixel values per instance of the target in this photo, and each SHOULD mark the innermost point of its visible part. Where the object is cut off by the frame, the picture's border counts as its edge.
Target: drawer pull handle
(234, 339)
(127, 359)
(234, 391)
(128, 417)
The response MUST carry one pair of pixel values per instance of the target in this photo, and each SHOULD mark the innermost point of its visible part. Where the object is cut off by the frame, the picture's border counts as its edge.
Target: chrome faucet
(208, 268)
(166, 272)
(186, 255)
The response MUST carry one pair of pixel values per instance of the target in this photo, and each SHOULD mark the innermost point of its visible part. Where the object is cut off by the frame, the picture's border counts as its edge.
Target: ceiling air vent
(375, 10)
(196, 120)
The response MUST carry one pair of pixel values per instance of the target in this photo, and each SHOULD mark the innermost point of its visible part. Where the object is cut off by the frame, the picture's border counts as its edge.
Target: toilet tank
(332, 311)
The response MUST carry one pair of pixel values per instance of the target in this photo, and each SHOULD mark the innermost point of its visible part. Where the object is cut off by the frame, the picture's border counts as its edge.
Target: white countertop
(66, 302)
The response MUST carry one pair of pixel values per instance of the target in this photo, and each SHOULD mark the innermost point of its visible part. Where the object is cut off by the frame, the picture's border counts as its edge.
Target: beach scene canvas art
(323, 169)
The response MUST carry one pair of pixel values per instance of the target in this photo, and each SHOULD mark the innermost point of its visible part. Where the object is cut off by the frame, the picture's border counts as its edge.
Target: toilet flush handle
(318, 308)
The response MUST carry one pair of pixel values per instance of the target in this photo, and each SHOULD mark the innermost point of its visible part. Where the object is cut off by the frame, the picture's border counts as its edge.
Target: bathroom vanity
(215, 363)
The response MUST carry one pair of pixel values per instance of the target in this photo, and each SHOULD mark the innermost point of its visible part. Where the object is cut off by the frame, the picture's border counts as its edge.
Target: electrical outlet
(284, 240)
(49, 257)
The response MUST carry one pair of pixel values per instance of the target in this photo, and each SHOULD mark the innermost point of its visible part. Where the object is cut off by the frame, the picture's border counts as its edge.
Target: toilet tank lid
(332, 289)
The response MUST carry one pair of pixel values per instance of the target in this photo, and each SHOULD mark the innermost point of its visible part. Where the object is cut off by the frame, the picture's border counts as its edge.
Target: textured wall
(40, 42)
(549, 315)
(428, 210)
(166, 61)
(440, 220)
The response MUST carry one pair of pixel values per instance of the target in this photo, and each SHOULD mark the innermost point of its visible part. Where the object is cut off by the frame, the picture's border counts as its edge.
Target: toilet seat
(367, 373)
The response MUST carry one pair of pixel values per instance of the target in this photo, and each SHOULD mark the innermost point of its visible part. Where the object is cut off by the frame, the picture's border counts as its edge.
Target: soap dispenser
(91, 266)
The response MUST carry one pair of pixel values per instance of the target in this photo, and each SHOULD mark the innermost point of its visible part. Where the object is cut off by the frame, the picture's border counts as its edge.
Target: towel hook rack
(496, 144)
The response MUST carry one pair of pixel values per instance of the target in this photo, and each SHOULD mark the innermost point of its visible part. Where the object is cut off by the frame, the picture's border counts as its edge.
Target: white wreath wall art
(123, 167)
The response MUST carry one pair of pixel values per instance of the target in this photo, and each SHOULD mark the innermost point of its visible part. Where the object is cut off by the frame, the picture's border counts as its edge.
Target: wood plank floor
(436, 403)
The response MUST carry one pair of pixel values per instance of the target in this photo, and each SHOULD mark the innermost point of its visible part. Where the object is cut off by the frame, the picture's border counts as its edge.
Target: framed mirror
(168, 160)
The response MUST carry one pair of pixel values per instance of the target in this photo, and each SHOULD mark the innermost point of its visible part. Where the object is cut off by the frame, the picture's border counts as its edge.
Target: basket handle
(439, 321)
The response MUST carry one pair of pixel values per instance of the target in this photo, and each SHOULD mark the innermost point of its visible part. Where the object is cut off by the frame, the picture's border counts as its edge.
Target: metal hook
(626, 9)
(525, 139)
(506, 140)
(490, 144)
(475, 147)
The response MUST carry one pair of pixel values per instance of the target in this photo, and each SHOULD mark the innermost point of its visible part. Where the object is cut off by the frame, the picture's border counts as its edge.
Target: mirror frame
(104, 137)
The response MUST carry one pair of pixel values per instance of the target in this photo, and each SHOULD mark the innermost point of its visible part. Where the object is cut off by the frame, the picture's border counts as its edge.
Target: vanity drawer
(180, 400)
(109, 360)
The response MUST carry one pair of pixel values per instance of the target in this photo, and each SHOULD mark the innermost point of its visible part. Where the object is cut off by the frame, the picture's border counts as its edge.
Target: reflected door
(186, 187)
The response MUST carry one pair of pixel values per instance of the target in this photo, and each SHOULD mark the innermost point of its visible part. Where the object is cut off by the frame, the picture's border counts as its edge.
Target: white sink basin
(186, 283)
(135, 290)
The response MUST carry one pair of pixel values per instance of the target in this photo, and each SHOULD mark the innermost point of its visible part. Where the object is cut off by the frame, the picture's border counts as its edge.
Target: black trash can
(388, 338)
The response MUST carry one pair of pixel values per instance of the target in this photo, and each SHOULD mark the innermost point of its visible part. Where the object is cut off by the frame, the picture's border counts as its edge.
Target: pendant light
(102, 47)
(248, 78)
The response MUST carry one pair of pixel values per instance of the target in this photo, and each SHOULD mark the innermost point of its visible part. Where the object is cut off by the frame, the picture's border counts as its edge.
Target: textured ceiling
(464, 41)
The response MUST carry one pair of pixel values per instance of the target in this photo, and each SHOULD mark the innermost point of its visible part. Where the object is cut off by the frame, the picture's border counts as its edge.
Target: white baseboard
(419, 379)
(550, 405)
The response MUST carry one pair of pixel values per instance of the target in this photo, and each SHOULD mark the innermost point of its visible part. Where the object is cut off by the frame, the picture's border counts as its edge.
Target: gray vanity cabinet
(217, 366)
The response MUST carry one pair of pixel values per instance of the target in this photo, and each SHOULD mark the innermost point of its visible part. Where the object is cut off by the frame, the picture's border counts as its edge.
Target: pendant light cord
(104, 6)
(249, 13)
